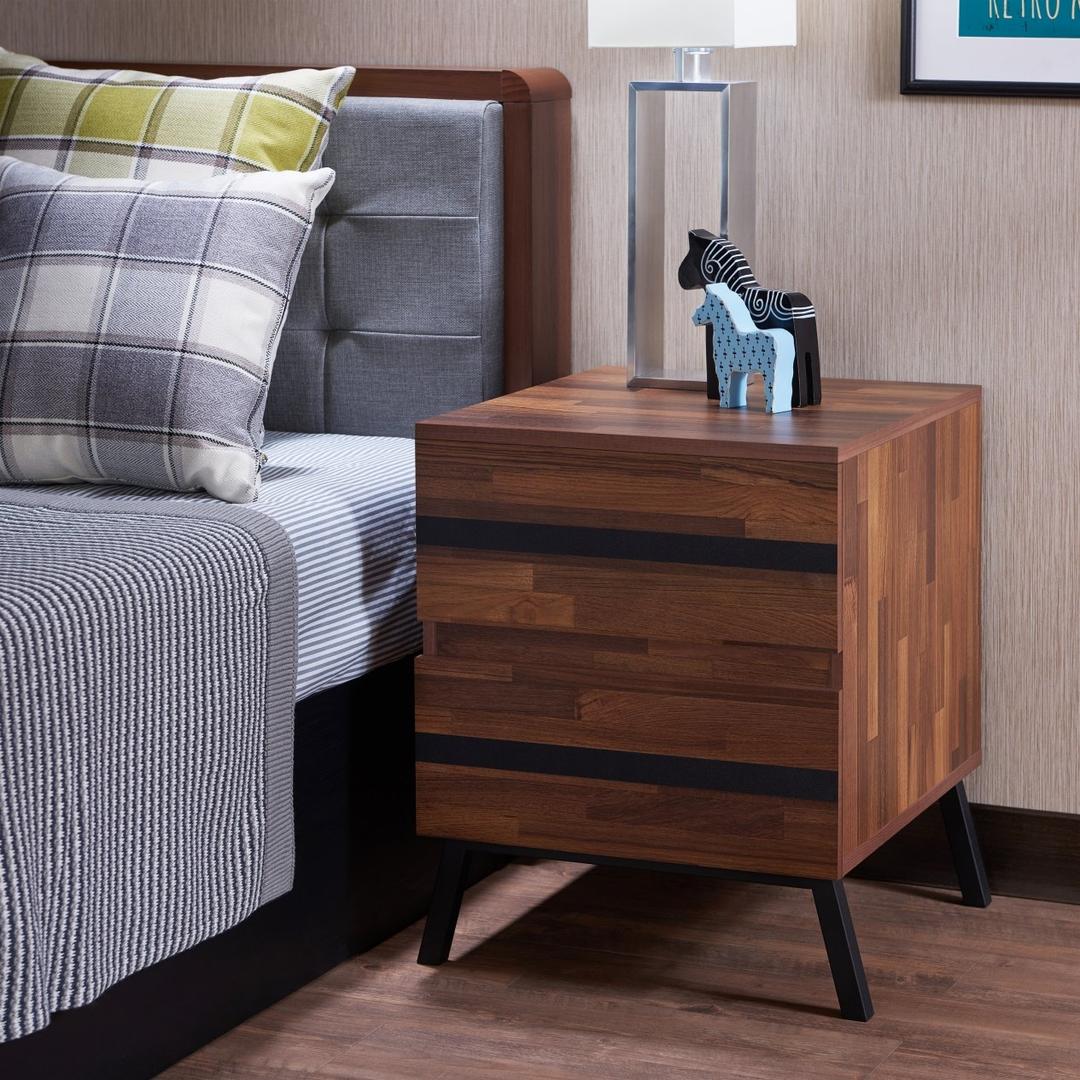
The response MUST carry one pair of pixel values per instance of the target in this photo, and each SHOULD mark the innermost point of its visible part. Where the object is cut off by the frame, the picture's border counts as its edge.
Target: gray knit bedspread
(147, 679)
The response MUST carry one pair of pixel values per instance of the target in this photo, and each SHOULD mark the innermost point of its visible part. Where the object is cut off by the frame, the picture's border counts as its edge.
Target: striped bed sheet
(347, 503)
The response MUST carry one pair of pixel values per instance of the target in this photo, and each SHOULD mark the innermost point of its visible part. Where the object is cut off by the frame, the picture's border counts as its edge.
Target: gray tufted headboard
(398, 309)
(439, 273)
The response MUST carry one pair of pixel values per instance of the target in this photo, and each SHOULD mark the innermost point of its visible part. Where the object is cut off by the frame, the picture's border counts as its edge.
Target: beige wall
(940, 239)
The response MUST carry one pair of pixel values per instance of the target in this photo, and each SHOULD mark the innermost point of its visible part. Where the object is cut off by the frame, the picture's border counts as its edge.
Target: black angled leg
(445, 904)
(964, 842)
(842, 947)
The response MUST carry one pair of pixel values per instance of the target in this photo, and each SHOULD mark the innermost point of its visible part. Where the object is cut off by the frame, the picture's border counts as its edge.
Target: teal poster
(1020, 18)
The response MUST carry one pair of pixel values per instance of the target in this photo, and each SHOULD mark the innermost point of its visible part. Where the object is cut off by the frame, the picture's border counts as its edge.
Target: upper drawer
(756, 500)
(628, 598)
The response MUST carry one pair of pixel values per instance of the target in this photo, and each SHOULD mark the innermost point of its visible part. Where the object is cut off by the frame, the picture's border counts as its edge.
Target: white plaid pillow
(139, 322)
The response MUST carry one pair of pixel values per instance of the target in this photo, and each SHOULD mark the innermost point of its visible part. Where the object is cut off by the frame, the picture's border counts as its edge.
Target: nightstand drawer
(573, 706)
(625, 597)
(733, 497)
(651, 822)
(694, 772)
(672, 547)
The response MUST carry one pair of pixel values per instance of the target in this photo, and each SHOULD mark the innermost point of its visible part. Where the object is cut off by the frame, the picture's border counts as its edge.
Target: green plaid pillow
(130, 124)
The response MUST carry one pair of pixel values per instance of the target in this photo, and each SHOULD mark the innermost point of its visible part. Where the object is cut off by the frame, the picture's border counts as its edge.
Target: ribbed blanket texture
(147, 679)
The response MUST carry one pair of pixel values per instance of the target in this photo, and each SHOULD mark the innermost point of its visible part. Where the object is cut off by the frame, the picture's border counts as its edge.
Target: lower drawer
(727, 830)
(627, 763)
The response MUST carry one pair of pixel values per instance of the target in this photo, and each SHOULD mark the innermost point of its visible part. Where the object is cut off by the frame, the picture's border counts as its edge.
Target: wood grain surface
(547, 716)
(785, 673)
(649, 600)
(730, 830)
(910, 622)
(561, 972)
(936, 236)
(762, 499)
(594, 410)
(523, 702)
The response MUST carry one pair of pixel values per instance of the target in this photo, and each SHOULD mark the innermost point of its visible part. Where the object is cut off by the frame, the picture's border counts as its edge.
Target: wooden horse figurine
(740, 349)
(716, 260)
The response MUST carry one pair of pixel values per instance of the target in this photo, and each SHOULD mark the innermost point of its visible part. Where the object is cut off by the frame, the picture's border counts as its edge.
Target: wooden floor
(563, 971)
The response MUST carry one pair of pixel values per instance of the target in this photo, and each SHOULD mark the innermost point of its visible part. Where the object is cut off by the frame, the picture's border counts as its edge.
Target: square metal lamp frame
(649, 272)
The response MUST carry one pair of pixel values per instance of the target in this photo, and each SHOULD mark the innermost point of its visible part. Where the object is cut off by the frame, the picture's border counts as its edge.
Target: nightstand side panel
(910, 572)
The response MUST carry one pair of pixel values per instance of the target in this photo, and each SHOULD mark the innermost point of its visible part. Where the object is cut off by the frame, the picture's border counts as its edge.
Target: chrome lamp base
(692, 164)
(694, 64)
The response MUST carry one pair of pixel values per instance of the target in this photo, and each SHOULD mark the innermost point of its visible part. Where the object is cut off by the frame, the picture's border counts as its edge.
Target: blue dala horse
(740, 349)
(716, 260)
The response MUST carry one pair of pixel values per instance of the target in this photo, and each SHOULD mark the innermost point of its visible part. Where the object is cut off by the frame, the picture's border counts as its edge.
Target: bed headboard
(439, 271)
(398, 310)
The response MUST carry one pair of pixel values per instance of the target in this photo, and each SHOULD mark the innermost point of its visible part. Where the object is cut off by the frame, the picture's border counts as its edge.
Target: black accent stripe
(738, 551)
(623, 766)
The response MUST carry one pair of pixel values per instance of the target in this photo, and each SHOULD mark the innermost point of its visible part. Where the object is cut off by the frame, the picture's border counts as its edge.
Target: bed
(438, 275)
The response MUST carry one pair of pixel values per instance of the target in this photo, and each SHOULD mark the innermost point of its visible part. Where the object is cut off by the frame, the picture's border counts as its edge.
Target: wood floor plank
(470, 1045)
(563, 971)
(916, 1065)
(739, 1023)
(294, 1038)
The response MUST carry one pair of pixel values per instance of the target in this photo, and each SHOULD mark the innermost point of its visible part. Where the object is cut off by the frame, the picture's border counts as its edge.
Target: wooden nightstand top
(594, 410)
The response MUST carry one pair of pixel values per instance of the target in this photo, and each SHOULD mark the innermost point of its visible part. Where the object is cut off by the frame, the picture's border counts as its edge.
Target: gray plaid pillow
(139, 322)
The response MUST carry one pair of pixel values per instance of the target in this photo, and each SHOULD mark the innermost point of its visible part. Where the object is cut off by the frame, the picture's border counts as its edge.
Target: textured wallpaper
(939, 238)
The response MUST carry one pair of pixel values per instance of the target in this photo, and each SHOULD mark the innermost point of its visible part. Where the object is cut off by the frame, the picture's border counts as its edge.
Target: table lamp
(721, 147)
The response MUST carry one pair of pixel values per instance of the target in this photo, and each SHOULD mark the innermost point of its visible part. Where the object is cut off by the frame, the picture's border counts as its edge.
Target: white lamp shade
(674, 24)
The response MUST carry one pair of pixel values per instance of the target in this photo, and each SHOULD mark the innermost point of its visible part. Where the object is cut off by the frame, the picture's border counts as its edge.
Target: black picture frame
(909, 84)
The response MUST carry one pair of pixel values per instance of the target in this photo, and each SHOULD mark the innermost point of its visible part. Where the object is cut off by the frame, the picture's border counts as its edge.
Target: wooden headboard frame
(536, 170)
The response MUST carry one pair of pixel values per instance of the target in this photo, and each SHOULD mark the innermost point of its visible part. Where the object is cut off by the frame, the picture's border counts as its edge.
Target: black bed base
(361, 875)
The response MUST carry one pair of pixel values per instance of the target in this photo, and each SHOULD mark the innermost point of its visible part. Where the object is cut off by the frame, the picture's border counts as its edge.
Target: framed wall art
(1013, 48)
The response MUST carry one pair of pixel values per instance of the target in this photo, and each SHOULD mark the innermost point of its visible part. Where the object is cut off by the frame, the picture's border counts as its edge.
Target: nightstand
(660, 633)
